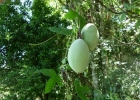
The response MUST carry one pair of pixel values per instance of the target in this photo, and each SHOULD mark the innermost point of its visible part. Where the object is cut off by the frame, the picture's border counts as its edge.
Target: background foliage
(34, 41)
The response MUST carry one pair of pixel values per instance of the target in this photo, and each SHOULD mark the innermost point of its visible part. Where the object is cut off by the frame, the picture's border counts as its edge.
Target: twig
(127, 11)
(109, 8)
(130, 43)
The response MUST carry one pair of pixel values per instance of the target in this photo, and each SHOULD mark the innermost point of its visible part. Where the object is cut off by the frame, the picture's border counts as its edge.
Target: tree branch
(135, 15)
(130, 43)
(109, 8)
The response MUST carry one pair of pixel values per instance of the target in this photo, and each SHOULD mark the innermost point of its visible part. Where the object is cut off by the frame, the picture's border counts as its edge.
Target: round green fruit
(78, 56)
(90, 35)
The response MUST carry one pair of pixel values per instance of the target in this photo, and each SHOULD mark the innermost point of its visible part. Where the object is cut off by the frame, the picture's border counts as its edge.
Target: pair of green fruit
(79, 51)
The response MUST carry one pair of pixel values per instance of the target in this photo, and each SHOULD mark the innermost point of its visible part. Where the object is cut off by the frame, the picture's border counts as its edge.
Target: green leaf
(137, 10)
(69, 97)
(98, 94)
(137, 24)
(58, 80)
(64, 61)
(63, 31)
(71, 15)
(128, 98)
(82, 22)
(50, 85)
(81, 90)
(122, 17)
(47, 72)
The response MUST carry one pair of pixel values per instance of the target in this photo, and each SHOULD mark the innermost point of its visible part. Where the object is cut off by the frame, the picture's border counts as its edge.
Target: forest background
(35, 37)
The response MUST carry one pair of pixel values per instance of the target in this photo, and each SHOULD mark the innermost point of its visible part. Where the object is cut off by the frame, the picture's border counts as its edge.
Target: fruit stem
(79, 34)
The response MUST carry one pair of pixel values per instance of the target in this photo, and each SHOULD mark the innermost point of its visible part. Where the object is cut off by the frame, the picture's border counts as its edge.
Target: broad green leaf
(127, 6)
(71, 15)
(52, 74)
(137, 24)
(137, 10)
(50, 85)
(81, 90)
(47, 72)
(58, 80)
(63, 31)
(52, 81)
(82, 22)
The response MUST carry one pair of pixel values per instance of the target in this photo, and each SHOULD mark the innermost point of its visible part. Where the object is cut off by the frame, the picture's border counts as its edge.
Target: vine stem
(43, 41)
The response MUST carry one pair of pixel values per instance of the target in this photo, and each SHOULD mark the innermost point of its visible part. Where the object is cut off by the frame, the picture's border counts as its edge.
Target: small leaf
(81, 90)
(128, 98)
(69, 97)
(137, 24)
(122, 17)
(64, 61)
(49, 85)
(63, 31)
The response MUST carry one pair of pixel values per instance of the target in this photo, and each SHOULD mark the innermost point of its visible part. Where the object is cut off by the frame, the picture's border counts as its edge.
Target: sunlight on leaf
(71, 15)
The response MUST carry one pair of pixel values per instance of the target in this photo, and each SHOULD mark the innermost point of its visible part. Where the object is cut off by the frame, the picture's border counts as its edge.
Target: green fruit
(90, 35)
(78, 56)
